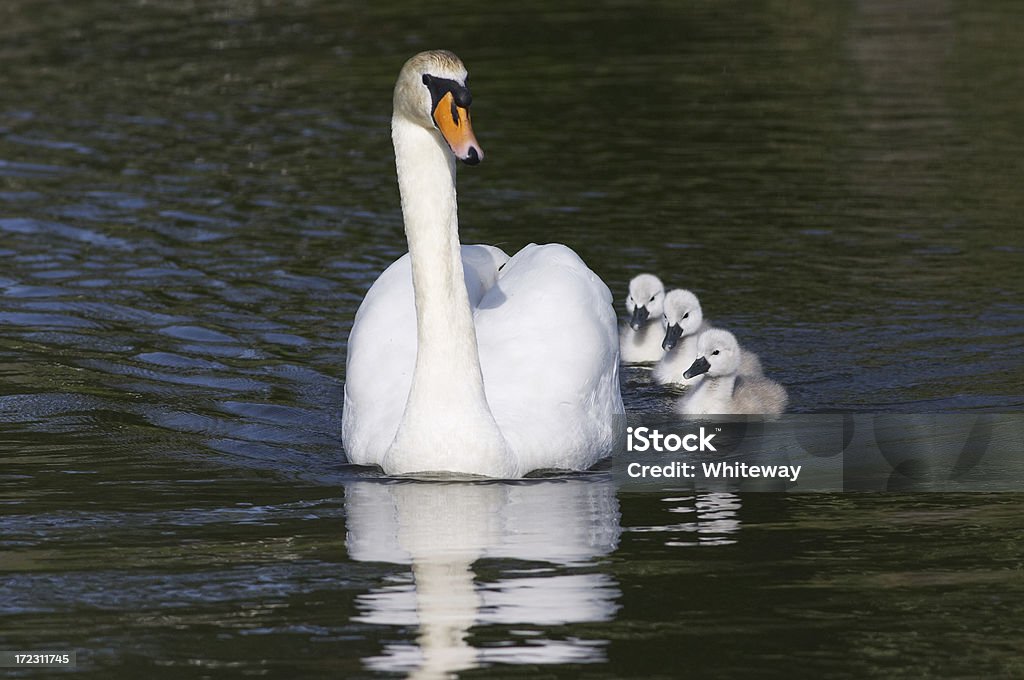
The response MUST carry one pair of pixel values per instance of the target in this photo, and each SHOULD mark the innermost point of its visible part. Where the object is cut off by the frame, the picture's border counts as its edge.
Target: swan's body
(684, 322)
(722, 391)
(640, 339)
(460, 358)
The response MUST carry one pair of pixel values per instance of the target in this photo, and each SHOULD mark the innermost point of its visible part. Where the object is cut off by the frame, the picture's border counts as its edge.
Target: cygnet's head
(646, 296)
(682, 317)
(718, 354)
(431, 91)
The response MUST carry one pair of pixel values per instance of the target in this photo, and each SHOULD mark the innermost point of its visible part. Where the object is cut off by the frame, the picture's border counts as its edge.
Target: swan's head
(431, 91)
(718, 354)
(683, 316)
(645, 299)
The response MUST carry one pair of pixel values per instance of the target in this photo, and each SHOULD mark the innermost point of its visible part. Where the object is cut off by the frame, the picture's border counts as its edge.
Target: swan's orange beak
(453, 122)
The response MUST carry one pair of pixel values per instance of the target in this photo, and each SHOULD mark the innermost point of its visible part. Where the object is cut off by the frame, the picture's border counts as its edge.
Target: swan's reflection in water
(552, 529)
(714, 520)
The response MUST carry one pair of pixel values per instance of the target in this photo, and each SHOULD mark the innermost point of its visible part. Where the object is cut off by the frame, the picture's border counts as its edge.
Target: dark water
(194, 196)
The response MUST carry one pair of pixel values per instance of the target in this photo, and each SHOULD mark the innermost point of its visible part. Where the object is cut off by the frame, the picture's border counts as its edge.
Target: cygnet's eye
(714, 353)
(652, 297)
(629, 298)
(686, 316)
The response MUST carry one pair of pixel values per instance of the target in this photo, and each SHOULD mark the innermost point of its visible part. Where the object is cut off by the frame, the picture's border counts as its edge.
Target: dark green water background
(194, 197)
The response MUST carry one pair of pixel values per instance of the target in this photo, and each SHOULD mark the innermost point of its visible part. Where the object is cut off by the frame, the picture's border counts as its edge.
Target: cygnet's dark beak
(699, 366)
(672, 335)
(639, 318)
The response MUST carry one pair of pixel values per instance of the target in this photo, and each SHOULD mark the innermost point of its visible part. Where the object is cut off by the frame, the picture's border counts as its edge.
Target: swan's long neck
(445, 332)
(447, 415)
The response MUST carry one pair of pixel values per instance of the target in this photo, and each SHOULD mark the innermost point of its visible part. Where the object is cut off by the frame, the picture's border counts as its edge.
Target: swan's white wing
(549, 351)
(382, 351)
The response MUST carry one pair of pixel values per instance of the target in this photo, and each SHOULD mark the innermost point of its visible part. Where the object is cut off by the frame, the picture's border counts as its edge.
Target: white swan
(722, 391)
(683, 323)
(513, 363)
(640, 338)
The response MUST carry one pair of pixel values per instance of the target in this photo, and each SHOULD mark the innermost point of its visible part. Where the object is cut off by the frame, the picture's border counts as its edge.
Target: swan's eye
(629, 299)
(714, 353)
(652, 297)
(686, 316)
(440, 88)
